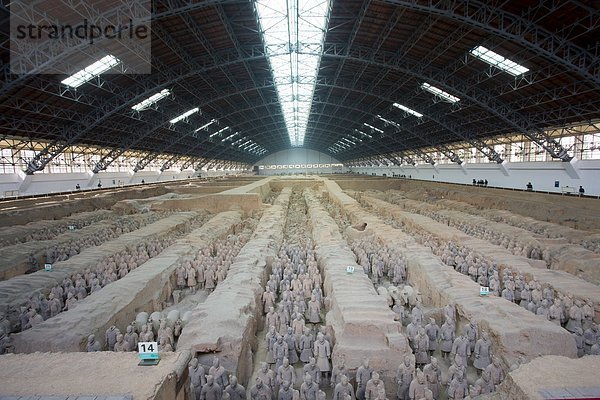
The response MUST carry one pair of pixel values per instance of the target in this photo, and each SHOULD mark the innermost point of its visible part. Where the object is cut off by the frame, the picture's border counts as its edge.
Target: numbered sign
(350, 269)
(148, 350)
(71, 227)
(484, 290)
(48, 267)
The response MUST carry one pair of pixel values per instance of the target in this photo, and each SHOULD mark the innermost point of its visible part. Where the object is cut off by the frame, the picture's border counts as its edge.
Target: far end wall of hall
(542, 175)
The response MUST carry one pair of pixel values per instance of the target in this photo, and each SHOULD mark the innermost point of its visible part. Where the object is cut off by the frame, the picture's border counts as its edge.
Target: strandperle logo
(85, 31)
(56, 37)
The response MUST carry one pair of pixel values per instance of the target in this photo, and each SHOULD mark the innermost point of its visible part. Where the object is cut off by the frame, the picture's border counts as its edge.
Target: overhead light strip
(408, 110)
(91, 71)
(364, 134)
(294, 25)
(219, 131)
(231, 136)
(184, 115)
(372, 127)
(498, 61)
(389, 122)
(206, 125)
(155, 98)
(440, 93)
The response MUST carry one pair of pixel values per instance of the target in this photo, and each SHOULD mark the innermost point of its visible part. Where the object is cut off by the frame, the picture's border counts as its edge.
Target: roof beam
(515, 28)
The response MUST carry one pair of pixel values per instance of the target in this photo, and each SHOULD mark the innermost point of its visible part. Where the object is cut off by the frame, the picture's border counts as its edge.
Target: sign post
(148, 353)
(484, 290)
(350, 269)
(48, 267)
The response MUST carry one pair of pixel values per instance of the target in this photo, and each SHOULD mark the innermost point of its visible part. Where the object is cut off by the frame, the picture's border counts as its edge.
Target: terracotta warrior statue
(404, 378)
(235, 390)
(120, 344)
(211, 390)
(92, 344)
(322, 352)
(218, 373)
(260, 391)
(374, 385)
(313, 370)
(286, 372)
(285, 392)
(309, 390)
(363, 375)
(343, 389)
(197, 378)
(482, 352)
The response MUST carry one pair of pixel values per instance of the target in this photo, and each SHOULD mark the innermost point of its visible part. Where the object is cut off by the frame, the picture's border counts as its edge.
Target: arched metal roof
(211, 55)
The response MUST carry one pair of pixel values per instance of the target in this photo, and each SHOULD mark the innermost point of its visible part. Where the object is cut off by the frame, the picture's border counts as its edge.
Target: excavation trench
(33, 255)
(569, 257)
(16, 292)
(514, 331)
(145, 287)
(361, 321)
(559, 281)
(226, 323)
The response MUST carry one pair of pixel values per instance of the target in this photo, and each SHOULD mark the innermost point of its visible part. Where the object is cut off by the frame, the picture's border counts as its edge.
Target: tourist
(529, 186)
(581, 191)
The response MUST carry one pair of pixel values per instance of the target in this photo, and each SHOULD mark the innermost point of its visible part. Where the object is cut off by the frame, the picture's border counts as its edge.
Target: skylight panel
(372, 127)
(408, 110)
(91, 71)
(498, 61)
(142, 105)
(440, 93)
(212, 121)
(184, 115)
(294, 25)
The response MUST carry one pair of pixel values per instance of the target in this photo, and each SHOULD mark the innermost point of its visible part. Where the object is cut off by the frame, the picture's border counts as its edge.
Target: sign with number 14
(148, 350)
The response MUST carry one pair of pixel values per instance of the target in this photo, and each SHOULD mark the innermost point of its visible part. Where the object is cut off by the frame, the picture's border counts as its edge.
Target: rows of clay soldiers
(210, 266)
(425, 339)
(379, 261)
(417, 378)
(592, 245)
(165, 331)
(519, 246)
(572, 314)
(545, 229)
(468, 347)
(56, 228)
(73, 247)
(294, 335)
(81, 285)
(215, 257)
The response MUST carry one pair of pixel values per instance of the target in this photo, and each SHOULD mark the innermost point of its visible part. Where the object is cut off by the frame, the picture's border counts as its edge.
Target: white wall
(9, 182)
(299, 156)
(542, 175)
(42, 183)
